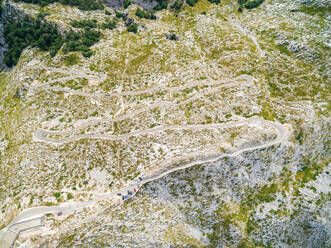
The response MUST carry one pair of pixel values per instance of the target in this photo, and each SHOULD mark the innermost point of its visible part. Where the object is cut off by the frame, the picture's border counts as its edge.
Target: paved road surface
(33, 217)
(40, 134)
(29, 218)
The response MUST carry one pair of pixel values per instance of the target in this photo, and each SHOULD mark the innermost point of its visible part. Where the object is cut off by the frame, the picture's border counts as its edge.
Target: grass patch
(267, 112)
(310, 10)
(70, 196)
(71, 59)
(284, 50)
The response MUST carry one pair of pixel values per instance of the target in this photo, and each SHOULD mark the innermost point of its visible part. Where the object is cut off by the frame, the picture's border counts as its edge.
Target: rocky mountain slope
(129, 96)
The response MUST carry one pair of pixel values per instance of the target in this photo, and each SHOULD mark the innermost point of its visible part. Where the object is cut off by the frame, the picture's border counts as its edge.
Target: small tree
(240, 2)
(215, 1)
(177, 5)
(126, 3)
(253, 4)
(191, 2)
(133, 27)
(70, 196)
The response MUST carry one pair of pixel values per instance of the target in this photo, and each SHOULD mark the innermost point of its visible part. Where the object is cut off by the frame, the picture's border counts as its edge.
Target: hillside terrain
(212, 117)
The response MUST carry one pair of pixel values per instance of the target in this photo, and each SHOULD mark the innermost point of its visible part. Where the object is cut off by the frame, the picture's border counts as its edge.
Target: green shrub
(242, 2)
(109, 24)
(284, 49)
(267, 193)
(42, 15)
(191, 2)
(177, 5)
(161, 4)
(70, 196)
(71, 59)
(57, 195)
(81, 41)
(253, 4)
(84, 24)
(126, 3)
(81, 4)
(120, 15)
(215, 1)
(144, 14)
(133, 28)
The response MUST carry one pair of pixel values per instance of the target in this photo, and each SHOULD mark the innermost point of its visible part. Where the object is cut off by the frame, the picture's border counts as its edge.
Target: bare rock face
(186, 89)
(2, 45)
(317, 3)
(11, 12)
(149, 4)
(116, 4)
(146, 4)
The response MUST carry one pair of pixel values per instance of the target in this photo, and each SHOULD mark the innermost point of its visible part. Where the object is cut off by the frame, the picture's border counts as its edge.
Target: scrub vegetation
(39, 33)
(30, 32)
(76, 129)
(249, 4)
(144, 14)
(81, 4)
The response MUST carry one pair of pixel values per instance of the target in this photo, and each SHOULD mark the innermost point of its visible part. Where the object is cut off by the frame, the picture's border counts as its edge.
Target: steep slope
(76, 128)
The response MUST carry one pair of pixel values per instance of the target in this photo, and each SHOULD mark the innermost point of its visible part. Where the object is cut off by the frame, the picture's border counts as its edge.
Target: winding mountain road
(28, 218)
(34, 217)
(40, 134)
(244, 80)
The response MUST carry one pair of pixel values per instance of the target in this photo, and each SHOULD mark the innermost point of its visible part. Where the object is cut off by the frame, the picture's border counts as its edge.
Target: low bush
(253, 4)
(215, 1)
(81, 4)
(161, 4)
(126, 3)
(177, 5)
(191, 2)
(120, 15)
(72, 59)
(144, 14)
(84, 24)
(133, 28)
(81, 41)
(109, 24)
